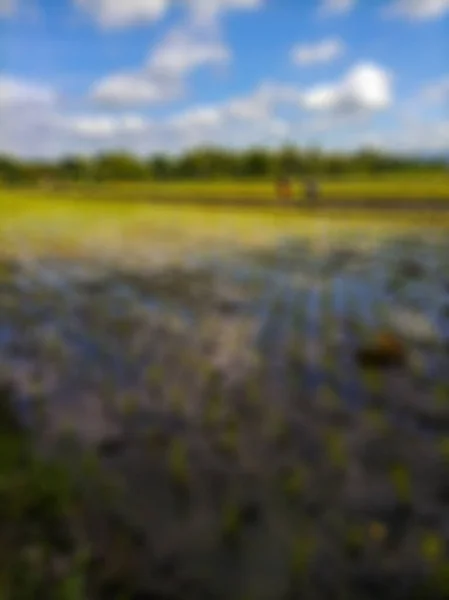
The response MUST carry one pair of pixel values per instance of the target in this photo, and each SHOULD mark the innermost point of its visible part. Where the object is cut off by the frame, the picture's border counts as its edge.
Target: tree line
(212, 163)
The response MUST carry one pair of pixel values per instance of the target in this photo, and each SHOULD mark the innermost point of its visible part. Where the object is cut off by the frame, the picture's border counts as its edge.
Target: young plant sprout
(372, 381)
(231, 522)
(443, 446)
(336, 449)
(401, 481)
(295, 351)
(442, 395)
(213, 411)
(155, 375)
(229, 438)
(129, 404)
(328, 398)
(178, 463)
(354, 541)
(432, 547)
(177, 401)
(329, 362)
(253, 391)
(91, 464)
(294, 482)
(278, 427)
(302, 549)
(376, 418)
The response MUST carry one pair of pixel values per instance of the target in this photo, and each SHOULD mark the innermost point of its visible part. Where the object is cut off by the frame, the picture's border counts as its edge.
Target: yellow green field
(410, 187)
(59, 225)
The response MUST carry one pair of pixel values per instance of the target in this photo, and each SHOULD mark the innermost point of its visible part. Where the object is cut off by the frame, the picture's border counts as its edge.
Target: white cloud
(438, 91)
(183, 51)
(320, 52)
(14, 92)
(366, 87)
(134, 89)
(336, 7)
(198, 118)
(163, 78)
(262, 103)
(7, 7)
(418, 9)
(416, 137)
(101, 127)
(206, 11)
(123, 13)
(255, 117)
(258, 117)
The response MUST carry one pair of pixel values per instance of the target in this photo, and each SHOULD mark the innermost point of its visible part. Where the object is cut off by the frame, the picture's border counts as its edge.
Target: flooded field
(249, 445)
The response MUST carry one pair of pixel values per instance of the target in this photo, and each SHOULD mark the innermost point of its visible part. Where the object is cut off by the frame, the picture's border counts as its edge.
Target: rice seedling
(253, 390)
(335, 444)
(354, 541)
(178, 464)
(441, 395)
(443, 448)
(177, 400)
(294, 482)
(376, 419)
(213, 411)
(433, 547)
(228, 440)
(91, 466)
(327, 398)
(154, 375)
(302, 550)
(129, 404)
(231, 522)
(277, 427)
(373, 382)
(401, 480)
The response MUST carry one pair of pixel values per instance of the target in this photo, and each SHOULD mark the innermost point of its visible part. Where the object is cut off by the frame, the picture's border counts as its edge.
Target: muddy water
(266, 340)
(343, 293)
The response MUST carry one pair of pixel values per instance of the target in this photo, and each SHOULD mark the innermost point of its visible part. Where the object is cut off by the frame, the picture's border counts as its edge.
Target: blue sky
(151, 75)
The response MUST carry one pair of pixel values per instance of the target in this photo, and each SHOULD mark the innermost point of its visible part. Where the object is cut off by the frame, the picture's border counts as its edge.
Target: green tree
(119, 167)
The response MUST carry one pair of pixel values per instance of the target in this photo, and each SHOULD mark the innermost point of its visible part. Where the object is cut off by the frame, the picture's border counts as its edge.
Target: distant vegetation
(214, 164)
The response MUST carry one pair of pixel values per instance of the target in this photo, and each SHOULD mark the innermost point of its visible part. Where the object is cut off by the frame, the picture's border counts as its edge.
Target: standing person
(283, 188)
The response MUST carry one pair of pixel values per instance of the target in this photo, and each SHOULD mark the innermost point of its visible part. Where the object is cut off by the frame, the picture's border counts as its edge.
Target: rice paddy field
(222, 404)
(411, 187)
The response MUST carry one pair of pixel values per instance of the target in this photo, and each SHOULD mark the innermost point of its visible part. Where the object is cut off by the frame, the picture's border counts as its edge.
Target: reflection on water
(250, 363)
(97, 316)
